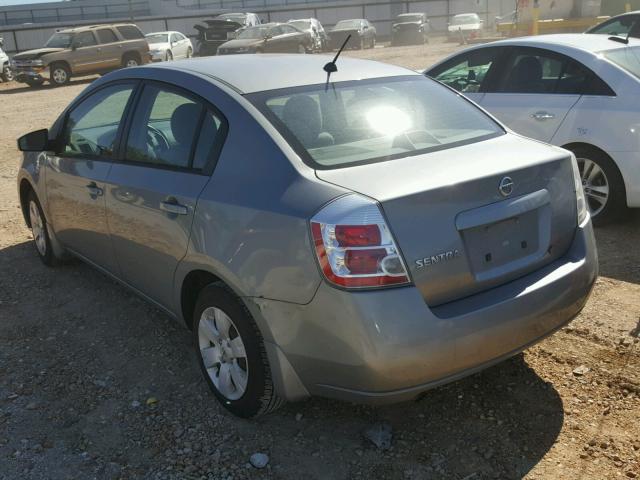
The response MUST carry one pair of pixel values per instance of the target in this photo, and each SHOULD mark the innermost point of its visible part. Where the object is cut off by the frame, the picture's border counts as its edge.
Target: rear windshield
(373, 120)
(158, 38)
(254, 33)
(348, 24)
(627, 58)
(465, 19)
(408, 18)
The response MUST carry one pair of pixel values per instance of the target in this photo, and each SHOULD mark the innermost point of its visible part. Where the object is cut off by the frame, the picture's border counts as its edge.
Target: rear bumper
(388, 346)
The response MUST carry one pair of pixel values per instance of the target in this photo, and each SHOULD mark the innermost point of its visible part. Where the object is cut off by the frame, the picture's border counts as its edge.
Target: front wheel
(231, 353)
(60, 75)
(189, 52)
(7, 74)
(168, 56)
(39, 231)
(603, 185)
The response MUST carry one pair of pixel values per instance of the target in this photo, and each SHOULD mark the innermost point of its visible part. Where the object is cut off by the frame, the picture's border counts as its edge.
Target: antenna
(331, 66)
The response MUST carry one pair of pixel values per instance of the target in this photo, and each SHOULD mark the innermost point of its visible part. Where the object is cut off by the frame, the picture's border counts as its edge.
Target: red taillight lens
(356, 255)
(357, 235)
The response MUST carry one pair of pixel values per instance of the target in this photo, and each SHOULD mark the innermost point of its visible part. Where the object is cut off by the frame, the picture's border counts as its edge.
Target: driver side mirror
(37, 141)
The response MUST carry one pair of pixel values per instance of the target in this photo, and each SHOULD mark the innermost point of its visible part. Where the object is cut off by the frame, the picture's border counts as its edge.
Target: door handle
(94, 190)
(172, 206)
(542, 116)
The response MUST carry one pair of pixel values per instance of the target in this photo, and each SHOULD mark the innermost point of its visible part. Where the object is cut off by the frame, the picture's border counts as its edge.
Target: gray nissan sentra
(365, 234)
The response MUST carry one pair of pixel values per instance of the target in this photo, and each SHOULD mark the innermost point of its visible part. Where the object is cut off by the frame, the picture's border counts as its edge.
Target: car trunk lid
(458, 233)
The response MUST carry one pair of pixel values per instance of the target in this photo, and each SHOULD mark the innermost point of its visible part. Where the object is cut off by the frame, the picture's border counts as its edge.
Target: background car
(166, 46)
(269, 38)
(465, 26)
(620, 25)
(320, 39)
(82, 51)
(6, 73)
(581, 92)
(363, 34)
(223, 27)
(364, 242)
(409, 28)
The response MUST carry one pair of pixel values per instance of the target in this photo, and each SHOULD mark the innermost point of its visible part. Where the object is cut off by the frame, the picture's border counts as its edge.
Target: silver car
(365, 236)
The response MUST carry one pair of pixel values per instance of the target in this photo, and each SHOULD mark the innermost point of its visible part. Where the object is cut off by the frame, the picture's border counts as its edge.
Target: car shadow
(114, 348)
(616, 238)
(22, 87)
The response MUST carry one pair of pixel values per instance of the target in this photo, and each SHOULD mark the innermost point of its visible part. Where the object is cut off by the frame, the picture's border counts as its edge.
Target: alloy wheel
(37, 228)
(132, 62)
(223, 353)
(595, 185)
(60, 76)
(8, 74)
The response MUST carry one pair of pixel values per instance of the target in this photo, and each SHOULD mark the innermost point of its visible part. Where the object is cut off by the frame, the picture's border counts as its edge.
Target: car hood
(215, 24)
(159, 46)
(37, 53)
(416, 24)
(242, 43)
(466, 26)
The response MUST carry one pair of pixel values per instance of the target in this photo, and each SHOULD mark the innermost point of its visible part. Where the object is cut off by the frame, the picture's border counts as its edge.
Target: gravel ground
(95, 383)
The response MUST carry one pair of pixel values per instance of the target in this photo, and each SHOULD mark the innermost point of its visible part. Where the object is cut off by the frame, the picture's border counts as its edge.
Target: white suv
(6, 74)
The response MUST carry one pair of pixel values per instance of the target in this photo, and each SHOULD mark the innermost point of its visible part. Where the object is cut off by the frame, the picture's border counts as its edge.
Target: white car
(580, 92)
(467, 25)
(166, 46)
(6, 74)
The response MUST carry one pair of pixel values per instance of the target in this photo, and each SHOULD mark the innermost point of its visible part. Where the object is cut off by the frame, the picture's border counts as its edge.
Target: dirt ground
(95, 383)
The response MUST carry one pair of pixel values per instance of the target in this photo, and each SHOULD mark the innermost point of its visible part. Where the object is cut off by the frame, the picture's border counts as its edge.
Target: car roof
(410, 14)
(256, 73)
(581, 41)
(93, 27)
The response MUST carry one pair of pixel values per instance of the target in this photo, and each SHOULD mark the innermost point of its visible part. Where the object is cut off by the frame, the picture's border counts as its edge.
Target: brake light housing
(354, 246)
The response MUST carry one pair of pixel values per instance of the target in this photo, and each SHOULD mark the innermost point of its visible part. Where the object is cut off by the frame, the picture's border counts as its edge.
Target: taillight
(354, 245)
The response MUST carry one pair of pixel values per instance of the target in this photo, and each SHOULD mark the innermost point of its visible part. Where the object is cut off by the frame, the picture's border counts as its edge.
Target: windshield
(234, 17)
(348, 24)
(158, 38)
(59, 40)
(254, 33)
(465, 19)
(409, 18)
(373, 120)
(301, 24)
(627, 58)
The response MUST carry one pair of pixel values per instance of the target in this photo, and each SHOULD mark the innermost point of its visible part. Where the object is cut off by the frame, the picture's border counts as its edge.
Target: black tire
(130, 60)
(60, 74)
(46, 253)
(168, 56)
(189, 52)
(7, 74)
(260, 396)
(616, 204)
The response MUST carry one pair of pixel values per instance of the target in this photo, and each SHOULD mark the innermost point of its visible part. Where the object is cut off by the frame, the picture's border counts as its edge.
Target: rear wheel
(130, 61)
(60, 74)
(603, 185)
(231, 353)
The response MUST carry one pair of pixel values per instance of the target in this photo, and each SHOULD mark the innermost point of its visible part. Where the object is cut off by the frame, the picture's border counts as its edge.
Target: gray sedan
(364, 237)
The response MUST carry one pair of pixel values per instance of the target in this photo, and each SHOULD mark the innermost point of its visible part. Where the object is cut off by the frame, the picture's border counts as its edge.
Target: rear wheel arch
(131, 54)
(192, 284)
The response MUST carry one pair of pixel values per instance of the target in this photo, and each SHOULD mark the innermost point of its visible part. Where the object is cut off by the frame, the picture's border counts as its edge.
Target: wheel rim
(223, 353)
(59, 75)
(8, 74)
(131, 63)
(595, 185)
(37, 228)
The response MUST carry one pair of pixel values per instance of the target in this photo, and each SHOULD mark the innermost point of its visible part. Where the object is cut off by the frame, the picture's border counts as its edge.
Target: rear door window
(106, 35)
(91, 128)
(171, 128)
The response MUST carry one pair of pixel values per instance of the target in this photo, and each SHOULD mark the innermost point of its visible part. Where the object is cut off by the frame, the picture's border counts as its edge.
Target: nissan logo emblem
(506, 186)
